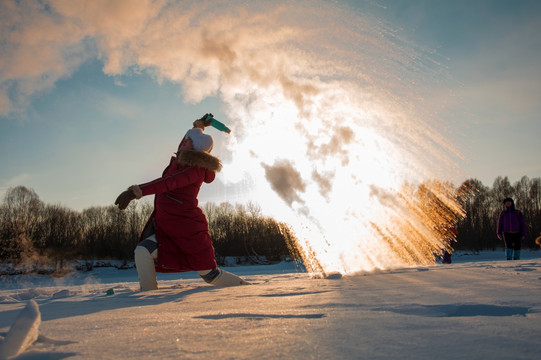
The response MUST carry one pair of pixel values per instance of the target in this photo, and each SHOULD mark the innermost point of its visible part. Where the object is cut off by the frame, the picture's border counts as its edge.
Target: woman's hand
(124, 199)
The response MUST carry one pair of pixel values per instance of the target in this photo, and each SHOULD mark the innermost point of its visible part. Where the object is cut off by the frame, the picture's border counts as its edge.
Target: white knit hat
(201, 141)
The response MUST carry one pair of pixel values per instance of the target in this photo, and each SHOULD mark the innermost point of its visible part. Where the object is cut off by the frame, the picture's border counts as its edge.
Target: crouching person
(176, 237)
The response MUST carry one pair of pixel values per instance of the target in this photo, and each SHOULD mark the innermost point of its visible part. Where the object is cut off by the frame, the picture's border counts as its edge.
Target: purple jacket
(511, 220)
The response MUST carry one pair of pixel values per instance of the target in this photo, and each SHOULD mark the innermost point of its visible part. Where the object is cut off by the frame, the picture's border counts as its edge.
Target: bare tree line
(243, 231)
(43, 234)
(32, 232)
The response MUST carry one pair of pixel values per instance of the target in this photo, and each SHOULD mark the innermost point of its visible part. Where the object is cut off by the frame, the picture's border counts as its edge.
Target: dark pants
(512, 240)
(446, 258)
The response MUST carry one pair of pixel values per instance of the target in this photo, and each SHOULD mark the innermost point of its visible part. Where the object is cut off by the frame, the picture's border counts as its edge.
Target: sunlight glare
(334, 139)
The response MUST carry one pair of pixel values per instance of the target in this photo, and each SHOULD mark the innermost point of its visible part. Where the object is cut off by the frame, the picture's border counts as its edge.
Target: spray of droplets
(333, 112)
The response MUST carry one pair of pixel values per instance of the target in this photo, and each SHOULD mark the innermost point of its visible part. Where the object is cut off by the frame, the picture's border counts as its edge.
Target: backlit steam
(341, 135)
(333, 115)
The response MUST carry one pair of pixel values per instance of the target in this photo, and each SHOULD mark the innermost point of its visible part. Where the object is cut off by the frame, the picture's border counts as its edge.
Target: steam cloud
(285, 181)
(346, 101)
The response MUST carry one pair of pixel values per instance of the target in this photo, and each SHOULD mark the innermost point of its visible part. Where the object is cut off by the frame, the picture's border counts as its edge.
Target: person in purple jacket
(511, 229)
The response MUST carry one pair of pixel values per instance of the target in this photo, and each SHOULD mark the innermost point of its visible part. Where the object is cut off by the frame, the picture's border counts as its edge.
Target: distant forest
(32, 232)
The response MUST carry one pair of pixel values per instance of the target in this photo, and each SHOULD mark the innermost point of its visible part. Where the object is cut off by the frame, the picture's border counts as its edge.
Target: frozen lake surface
(479, 307)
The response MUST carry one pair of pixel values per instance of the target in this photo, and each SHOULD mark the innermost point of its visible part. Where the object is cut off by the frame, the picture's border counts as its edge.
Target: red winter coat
(181, 228)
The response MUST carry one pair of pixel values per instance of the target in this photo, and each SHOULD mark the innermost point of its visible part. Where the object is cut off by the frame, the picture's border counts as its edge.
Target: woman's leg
(219, 277)
(145, 254)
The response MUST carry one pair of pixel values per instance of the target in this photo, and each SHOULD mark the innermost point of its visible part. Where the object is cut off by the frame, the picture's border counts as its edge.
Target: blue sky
(493, 53)
(96, 96)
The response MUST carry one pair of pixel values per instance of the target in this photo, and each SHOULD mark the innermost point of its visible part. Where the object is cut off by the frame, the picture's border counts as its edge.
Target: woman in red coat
(176, 237)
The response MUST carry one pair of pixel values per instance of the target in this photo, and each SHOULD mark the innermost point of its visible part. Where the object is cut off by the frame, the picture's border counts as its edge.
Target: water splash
(338, 126)
(333, 113)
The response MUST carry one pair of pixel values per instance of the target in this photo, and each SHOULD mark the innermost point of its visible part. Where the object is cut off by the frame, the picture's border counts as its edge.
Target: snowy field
(479, 307)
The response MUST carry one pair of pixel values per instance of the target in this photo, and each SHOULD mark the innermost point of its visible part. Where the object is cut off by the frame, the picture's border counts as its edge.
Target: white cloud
(38, 48)
(206, 46)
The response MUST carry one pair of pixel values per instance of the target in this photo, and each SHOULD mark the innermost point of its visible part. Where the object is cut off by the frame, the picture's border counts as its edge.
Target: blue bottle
(217, 125)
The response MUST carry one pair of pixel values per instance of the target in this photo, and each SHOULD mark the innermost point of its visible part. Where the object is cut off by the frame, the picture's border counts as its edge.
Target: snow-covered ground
(479, 307)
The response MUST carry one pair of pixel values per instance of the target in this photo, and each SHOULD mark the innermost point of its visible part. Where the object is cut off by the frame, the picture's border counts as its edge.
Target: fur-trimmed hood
(200, 159)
